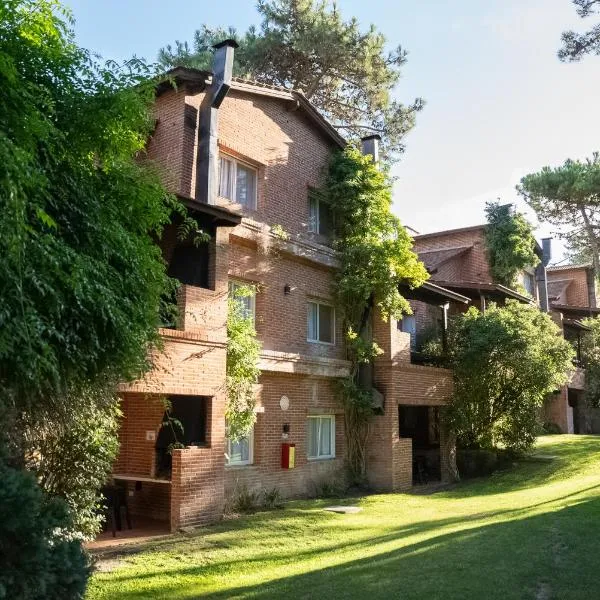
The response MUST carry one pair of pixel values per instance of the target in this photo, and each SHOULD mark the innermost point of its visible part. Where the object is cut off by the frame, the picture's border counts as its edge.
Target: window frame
(314, 222)
(233, 183)
(241, 463)
(232, 283)
(320, 303)
(331, 419)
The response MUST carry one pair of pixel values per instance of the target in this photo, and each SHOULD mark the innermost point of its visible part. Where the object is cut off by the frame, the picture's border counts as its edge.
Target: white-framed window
(237, 181)
(320, 436)
(320, 219)
(320, 322)
(248, 300)
(241, 452)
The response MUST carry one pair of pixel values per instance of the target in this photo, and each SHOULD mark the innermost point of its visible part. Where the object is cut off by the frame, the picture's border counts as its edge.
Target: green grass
(531, 532)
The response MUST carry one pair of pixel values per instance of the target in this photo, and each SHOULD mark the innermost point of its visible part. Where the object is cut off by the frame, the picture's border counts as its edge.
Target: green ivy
(375, 255)
(510, 243)
(243, 351)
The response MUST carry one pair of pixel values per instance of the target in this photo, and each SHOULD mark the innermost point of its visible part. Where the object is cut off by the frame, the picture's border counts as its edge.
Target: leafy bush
(505, 361)
(38, 559)
(272, 498)
(243, 350)
(244, 499)
(75, 456)
(331, 487)
(551, 428)
(510, 243)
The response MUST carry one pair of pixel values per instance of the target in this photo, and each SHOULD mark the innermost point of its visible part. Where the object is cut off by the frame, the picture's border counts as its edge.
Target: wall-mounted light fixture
(287, 290)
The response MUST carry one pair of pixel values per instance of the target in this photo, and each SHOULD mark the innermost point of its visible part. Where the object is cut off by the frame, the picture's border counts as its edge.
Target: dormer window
(237, 182)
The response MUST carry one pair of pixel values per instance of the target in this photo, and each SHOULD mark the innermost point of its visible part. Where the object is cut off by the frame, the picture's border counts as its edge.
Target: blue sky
(499, 103)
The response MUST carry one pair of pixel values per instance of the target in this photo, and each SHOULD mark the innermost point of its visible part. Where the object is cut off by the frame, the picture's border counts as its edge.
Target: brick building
(246, 160)
(457, 260)
(572, 297)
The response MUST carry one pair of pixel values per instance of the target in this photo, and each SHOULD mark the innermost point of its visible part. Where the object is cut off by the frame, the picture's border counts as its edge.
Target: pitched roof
(474, 289)
(557, 287)
(435, 258)
(198, 79)
(575, 311)
(424, 236)
(430, 293)
(569, 267)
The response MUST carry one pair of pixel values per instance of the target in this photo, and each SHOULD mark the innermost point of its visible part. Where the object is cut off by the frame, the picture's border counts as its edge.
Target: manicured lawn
(532, 532)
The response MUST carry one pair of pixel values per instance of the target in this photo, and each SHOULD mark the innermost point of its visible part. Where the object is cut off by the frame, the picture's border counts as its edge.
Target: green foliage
(243, 351)
(577, 45)
(375, 255)
(81, 281)
(306, 44)
(244, 500)
(504, 362)
(271, 498)
(569, 197)
(590, 354)
(38, 560)
(81, 275)
(75, 455)
(510, 243)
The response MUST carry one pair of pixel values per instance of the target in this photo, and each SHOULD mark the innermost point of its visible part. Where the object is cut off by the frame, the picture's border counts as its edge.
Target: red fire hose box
(288, 456)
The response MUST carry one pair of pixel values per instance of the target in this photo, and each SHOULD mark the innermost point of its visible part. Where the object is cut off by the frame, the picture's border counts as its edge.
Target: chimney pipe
(541, 275)
(370, 146)
(546, 251)
(207, 163)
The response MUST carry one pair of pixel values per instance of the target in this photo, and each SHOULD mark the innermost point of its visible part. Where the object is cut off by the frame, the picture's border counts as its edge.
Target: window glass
(226, 178)
(313, 215)
(320, 217)
(325, 323)
(313, 321)
(320, 323)
(247, 301)
(237, 182)
(325, 219)
(409, 325)
(313, 437)
(240, 452)
(320, 433)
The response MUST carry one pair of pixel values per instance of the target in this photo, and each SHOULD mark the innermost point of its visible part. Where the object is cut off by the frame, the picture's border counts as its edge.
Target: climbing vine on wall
(375, 255)
(510, 243)
(243, 350)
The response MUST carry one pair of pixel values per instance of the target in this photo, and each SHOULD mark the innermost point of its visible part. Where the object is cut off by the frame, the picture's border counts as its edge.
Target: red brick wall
(470, 266)
(281, 320)
(577, 291)
(307, 396)
(166, 145)
(141, 413)
(557, 410)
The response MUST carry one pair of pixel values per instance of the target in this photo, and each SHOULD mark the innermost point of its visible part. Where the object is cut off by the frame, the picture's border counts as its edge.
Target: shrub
(330, 488)
(551, 428)
(272, 498)
(505, 362)
(75, 456)
(38, 559)
(244, 500)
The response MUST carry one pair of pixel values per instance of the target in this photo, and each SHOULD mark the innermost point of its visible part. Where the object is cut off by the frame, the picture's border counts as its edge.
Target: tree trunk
(594, 245)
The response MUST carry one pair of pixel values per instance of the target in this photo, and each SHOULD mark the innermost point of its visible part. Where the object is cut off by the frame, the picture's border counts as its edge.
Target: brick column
(198, 475)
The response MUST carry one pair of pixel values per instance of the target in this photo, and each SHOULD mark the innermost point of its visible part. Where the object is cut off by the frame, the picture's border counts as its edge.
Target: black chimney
(370, 146)
(207, 162)
(541, 276)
